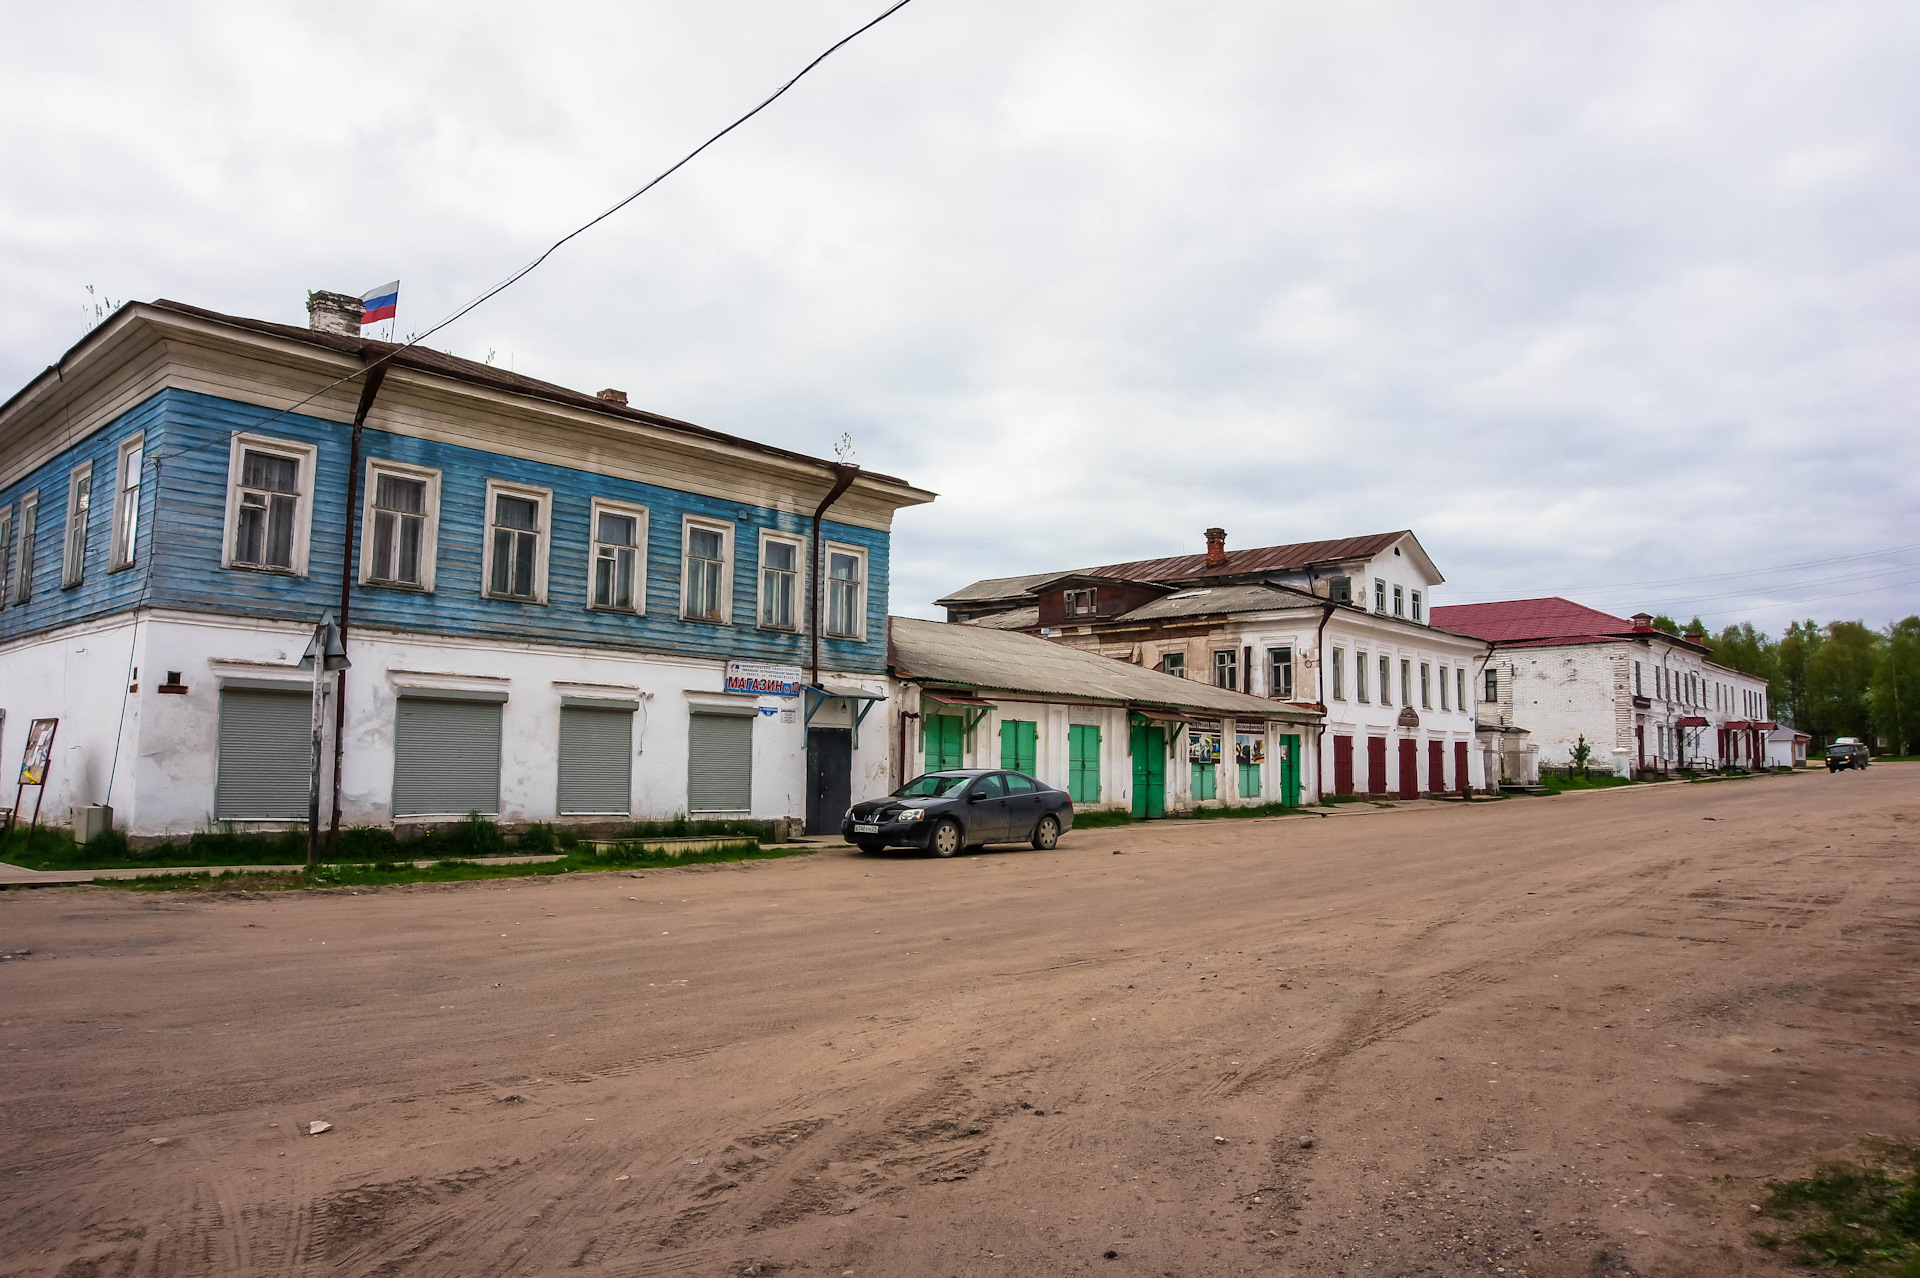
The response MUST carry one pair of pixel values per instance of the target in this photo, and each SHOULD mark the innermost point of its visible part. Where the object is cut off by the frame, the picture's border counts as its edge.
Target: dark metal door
(829, 778)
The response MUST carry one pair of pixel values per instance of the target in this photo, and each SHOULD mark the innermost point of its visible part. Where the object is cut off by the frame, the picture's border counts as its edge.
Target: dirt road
(1546, 1036)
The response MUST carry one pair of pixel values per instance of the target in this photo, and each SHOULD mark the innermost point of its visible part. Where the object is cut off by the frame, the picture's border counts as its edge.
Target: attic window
(1081, 603)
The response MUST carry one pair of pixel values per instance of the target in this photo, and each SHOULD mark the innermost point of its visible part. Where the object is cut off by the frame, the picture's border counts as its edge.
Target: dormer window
(1379, 595)
(1340, 590)
(1081, 603)
(1416, 605)
(1399, 602)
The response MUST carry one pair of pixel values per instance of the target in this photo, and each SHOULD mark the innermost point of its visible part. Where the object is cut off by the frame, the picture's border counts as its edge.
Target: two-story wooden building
(1342, 627)
(559, 606)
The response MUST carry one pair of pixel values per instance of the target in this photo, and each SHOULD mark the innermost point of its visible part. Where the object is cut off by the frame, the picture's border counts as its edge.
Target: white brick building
(1562, 672)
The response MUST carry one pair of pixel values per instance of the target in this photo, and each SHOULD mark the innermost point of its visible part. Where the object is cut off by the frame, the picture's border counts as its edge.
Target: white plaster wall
(1353, 633)
(1561, 694)
(80, 676)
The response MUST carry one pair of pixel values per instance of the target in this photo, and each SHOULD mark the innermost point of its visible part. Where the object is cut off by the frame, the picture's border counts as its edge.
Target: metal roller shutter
(596, 761)
(266, 755)
(446, 757)
(719, 762)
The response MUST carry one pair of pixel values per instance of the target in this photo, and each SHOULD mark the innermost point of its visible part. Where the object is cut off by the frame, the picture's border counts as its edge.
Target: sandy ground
(1546, 1036)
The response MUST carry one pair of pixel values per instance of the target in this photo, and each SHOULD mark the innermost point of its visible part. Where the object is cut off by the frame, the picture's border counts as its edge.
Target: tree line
(1843, 679)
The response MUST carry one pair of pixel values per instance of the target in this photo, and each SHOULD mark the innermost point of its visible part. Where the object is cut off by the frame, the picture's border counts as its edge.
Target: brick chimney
(613, 396)
(334, 313)
(1216, 547)
(1642, 623)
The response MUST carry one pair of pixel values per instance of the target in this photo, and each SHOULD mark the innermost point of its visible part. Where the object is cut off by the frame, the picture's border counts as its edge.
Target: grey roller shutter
(596, 760)
(446, 757)
(266, 755)
(719, 763)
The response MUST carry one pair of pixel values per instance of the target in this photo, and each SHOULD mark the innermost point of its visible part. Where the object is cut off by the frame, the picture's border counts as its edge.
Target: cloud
(1582, 294)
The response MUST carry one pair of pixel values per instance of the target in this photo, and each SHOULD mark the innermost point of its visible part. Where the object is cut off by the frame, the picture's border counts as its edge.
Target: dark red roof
(1513, 621)
(1256, 559)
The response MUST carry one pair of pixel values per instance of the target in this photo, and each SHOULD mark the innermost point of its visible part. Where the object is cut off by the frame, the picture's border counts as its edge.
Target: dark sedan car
(943, 812)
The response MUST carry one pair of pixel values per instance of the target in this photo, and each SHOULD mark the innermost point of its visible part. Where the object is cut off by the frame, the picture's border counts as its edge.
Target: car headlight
(911, 815)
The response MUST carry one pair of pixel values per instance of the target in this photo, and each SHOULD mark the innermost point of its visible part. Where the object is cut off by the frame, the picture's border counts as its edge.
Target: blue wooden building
(558, 606)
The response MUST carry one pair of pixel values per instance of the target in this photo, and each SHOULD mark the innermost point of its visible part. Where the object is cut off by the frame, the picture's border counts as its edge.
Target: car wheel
(946, 839)
(1046, 835)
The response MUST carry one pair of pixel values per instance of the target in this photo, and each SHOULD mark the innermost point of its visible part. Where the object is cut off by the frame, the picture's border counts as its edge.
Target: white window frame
(73, 559)
(127, 489)
(1386, 680)
(827, 553)
(1339, 674)
(25, 532)
(688, 523)
(1426, 685)
(1179, 658)
(1360, 660)
(799, 543)
(1231, 665)
(639, 516)
(1380, 595)
(1273, 688)
(1406, 681)
(430, 528)
(1416, 607)
(1460, 687)
(1399, 601)
(1443, 689)
(308, 456)
(497, 488)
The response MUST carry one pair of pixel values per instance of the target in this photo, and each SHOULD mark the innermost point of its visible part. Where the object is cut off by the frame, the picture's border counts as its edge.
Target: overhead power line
(1696, 578)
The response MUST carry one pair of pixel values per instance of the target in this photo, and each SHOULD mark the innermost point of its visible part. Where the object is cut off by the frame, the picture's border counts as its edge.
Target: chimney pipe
(1216, 547)
(613, 396)
(334, 313)
(1642, 623)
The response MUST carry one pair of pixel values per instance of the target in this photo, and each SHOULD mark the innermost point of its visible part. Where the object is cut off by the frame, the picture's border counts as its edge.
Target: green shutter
(1083, 763)
(944, 736)
(1017, 745)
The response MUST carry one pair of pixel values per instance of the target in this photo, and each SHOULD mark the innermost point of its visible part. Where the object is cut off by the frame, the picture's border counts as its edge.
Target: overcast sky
(1609, 300)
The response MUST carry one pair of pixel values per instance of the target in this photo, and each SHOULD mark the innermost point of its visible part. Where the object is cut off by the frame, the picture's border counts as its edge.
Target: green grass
(1328, 800)
(363, 844)
(1201, 812)
(452, 870)
(1861, 1216)
(1101, 818)
(1599, 781)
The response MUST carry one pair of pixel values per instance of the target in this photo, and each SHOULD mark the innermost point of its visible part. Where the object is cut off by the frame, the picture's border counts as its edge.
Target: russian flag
(381, 303)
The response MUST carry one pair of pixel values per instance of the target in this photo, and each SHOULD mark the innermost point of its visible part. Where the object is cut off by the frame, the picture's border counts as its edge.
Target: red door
(1436, 767)
(1460, 772)
(1409, 769)
(1376, 765)
(1343, 765)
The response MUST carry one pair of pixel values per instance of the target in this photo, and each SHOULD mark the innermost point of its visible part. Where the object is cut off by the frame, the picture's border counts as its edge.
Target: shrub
(538, 839)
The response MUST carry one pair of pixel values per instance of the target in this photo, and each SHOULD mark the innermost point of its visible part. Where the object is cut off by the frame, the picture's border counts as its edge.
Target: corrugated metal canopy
(1004, 661)
(1205, 601)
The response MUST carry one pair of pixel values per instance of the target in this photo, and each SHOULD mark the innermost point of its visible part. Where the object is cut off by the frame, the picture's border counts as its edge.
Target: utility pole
(324, 654)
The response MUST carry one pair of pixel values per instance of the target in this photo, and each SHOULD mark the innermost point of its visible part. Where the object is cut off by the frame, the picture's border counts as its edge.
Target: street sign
(763, 679)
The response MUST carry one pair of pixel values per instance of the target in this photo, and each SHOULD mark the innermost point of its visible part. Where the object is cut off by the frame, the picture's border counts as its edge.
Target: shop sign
(763, 679)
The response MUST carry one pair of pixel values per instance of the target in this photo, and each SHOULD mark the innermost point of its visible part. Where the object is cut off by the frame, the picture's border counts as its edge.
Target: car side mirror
(975, 797)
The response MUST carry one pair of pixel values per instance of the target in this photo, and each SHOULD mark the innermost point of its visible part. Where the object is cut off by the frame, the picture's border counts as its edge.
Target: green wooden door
(1083, 763)
(1290, 770)
(1149, 771)
(1017, 745)
(944, 735)
(1249, 780)
(1203, 781)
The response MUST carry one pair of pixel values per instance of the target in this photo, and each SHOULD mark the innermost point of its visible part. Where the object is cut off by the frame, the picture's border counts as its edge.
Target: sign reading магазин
(763, 679)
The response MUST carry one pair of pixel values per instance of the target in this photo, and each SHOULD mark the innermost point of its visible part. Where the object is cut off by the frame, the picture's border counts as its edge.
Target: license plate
(866, 829)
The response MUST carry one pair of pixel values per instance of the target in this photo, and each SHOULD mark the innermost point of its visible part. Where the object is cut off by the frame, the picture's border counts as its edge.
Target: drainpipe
(905, 715)
(368, 389)
(845, 474)
(1320, 694)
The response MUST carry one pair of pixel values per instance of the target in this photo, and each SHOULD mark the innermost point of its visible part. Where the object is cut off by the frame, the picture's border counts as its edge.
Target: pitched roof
(1012, 619)
(1289, 558)
(1208, 601)
(1005, 660)
(1518, 620)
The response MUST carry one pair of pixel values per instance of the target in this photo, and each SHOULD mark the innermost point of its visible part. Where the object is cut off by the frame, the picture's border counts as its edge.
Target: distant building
(1342, 627)
(1561, 672)
(1111, 735)
(562, 607)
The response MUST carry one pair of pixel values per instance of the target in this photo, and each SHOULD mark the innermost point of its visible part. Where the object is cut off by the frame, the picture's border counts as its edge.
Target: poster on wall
(763, 679)
(33, 765)
(1249, 749)
(1203, 747)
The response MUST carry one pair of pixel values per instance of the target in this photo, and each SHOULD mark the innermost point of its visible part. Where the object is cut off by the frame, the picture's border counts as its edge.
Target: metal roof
(1289, 558)
(1206, 601)
(992, 661)
(1512, 620)
(1013, 619)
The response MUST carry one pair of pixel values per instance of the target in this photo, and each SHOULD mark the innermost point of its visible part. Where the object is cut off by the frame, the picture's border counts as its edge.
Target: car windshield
(927, 787)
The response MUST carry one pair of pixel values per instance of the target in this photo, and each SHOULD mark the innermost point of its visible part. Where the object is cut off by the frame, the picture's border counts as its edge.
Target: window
(1379, 595)
(1493, 685)
(779, 583)
(126, 504)
(269, 504)
(1280, 673)
(1399, 602)
(516, 566)
(705, 596)
(73, 566)
(1406, 683)
(1226, 669)
(1426, 696)
(6, 549)
(1416, 605)
(400, 526)
(619, 557)
(1360, 677)
(1175, 664)
(1386, 682)
(1460, 686)
(23, 559)
(1443, 687)
(1339, 674)
(1081, 603)
(1636, 680)
(1340, 590)
(846, 591)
